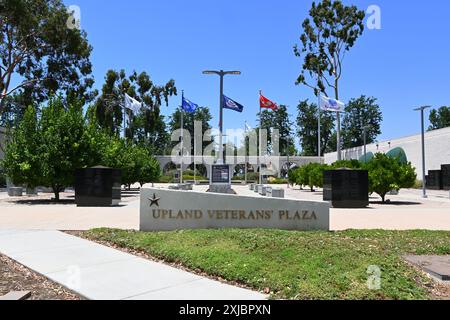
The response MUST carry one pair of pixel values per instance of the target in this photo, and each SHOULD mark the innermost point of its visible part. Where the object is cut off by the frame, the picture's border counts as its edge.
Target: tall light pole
(424, 187)
(221, 74)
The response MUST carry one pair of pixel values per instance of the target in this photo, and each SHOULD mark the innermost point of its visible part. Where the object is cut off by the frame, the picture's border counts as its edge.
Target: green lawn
(296, 265)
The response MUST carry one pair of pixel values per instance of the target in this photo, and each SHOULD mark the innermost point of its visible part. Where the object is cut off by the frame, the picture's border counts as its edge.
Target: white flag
(329, 104)
(132, 104)
(248, 128)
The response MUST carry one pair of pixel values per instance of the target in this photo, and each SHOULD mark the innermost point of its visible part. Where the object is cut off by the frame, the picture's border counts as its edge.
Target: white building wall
(437, 150)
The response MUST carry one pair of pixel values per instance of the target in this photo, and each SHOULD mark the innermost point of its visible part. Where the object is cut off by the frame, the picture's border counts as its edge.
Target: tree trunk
(383, 198)
(56, 192)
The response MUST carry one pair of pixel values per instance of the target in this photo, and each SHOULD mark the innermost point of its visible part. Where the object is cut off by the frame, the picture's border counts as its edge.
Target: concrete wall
(437, 147)
(207, 160)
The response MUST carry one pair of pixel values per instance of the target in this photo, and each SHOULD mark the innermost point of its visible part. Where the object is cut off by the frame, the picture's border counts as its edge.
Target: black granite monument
(346, 188)
(445, 168)
(97, 187)
(434, 180)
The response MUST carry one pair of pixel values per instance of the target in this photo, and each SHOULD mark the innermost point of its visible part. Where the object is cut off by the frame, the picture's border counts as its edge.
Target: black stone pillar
(346, 188)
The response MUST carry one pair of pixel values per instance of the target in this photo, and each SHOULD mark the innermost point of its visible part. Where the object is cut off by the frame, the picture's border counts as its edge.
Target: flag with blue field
(188, 106)
(232, 105)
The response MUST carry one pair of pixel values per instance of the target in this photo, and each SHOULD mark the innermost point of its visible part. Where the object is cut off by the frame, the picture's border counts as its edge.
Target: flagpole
(245, 150)
(124, 119)
(260, 141)
(182, 137)
(319, 142)
(195, 153)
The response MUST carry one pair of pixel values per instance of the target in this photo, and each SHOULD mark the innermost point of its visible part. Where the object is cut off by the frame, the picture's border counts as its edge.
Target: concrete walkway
(101, 273)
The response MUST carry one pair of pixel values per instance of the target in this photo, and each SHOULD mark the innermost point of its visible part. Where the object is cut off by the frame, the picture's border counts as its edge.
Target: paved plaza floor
(408, 210)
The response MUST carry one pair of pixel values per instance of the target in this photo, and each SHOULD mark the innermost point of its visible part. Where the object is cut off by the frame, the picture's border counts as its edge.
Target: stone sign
(165, 210)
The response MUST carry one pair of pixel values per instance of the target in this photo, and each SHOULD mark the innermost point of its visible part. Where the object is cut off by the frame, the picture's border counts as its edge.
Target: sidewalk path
(102, 273)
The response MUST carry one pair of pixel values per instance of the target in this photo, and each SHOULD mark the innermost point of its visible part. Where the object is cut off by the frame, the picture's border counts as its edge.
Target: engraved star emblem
(154, 201)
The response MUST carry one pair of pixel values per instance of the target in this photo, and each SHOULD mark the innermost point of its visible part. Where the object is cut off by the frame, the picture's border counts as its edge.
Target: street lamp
(221, 74)
(424, 188)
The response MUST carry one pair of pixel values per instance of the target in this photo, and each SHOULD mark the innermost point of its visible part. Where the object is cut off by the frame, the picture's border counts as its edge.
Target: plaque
(220, 174)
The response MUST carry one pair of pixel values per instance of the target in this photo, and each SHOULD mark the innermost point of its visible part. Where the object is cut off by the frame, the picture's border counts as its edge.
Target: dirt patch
(15, 277)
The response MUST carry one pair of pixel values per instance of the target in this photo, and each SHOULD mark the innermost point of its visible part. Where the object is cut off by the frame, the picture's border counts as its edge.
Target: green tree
(328, 34)
(387, 174)
(159, 140)
(279, 120)
(439, 118)
(37, 46)
(146, 125)
(63, 149)
(316, 171)
(359, 113)
(202, 114)
(307, 128)
(146, 167)
(348, 164)
(23, 161)
(121, 155)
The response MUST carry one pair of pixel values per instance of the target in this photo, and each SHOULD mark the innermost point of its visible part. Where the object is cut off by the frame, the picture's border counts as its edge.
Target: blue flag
(232, 105)
(188, 106)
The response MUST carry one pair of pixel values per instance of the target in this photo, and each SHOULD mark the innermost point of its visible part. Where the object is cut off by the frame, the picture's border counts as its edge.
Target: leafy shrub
(191, 178)
(418, 184)
(349, 164)
(387, 174)
(165, 179)
(273, 180)
(253, 176)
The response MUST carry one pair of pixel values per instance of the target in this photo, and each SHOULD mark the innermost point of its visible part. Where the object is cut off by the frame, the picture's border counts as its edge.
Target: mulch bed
(15, 277)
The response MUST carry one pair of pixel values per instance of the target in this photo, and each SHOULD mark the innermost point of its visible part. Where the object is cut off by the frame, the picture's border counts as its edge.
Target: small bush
(418, 184)
(165, 179)
(253, 176)
(386, 174)
(189, 177)
(273, 180)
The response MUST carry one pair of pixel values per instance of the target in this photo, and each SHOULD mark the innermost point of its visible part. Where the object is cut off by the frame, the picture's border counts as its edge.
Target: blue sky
(404, 65)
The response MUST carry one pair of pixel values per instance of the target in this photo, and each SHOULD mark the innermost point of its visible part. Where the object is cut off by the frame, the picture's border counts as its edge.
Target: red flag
(265, 103)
